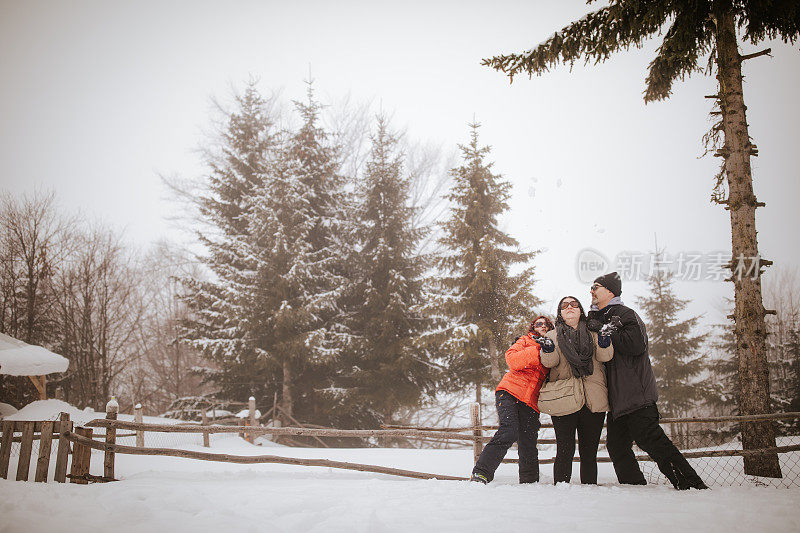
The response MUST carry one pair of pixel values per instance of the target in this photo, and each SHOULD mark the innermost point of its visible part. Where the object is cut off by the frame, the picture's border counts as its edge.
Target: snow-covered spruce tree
(723, 370)
(312, 315)
(697, 29)
(678, 363)
(784, 345)
(793, 352)
(219, 307)
(386, 369)
(479, 300)
(723, 399)
(674, 349)
(782, 293)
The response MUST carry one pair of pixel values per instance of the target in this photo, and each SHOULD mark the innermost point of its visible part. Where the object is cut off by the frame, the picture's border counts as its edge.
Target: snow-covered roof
(20, 359)
(245, 413)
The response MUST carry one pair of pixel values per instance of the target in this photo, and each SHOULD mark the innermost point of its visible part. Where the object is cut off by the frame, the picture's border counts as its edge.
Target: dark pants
(519, 423)
(642, 427)
(589, 426)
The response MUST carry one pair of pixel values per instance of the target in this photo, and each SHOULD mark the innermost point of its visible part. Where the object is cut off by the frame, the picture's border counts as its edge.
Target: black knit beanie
(612, 282)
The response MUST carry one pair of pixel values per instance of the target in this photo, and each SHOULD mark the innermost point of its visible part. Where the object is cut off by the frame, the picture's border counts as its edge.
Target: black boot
(479, 478)
(680, 483)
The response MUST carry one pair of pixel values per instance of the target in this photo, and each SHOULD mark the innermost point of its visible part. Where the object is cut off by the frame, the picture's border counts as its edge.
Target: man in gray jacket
(632, 393)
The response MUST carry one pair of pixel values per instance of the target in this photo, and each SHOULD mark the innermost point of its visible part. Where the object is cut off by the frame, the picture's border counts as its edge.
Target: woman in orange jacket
(517, 411)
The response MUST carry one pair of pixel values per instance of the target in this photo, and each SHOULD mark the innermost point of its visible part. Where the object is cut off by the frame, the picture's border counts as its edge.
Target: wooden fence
(478, 438)
(43, 431)
(83, 443)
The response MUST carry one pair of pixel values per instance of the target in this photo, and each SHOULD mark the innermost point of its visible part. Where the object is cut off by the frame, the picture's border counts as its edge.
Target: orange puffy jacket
(526, 373)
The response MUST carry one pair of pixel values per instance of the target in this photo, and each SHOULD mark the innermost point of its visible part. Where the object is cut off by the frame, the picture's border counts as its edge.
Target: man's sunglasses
(595, 287)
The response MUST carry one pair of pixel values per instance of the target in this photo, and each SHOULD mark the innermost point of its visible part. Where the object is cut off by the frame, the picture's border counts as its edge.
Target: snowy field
(176, 495)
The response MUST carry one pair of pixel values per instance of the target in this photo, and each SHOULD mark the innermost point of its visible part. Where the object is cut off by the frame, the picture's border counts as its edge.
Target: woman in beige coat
(579, 353)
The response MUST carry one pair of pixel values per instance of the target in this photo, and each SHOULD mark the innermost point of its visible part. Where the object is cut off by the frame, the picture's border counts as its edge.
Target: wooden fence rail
(292, 431)
(244, 459)
(690, 420)
(420, 433)
(83, 443)
(689, 455)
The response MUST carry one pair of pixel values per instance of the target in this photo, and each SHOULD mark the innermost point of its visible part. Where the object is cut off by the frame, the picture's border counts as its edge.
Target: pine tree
(480, 300)
(387, 368)
(793, 352)
(677, 362)
(696, 29)
(724, 397)
(285, 275)
(723, 381)
(298, 248)
(272, 319)
(674, 349)
(219, 306)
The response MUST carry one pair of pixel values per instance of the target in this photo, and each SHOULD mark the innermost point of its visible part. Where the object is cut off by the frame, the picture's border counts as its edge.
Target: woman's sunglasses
(540, 324)
(567, 305)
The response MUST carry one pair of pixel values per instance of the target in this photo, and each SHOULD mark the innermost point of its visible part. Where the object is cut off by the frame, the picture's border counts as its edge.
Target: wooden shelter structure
(18, 358)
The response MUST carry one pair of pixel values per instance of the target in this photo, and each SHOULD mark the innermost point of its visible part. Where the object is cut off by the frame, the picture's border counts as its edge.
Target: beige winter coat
(594, 386)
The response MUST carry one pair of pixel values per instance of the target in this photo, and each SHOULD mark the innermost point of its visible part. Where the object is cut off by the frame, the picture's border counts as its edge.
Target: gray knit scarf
(577, 346)
(616, 300)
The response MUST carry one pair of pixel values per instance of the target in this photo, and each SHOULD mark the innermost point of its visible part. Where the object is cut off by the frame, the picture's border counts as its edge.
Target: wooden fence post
(26, 445)
(81, 458)
(45, 442)
(251, 415)
(251, 411)
(276, 423)
(5, 447)
(64, 424)
(206, 438)
(244, 434)
(112, 408)
(137, 417)
(477, 446)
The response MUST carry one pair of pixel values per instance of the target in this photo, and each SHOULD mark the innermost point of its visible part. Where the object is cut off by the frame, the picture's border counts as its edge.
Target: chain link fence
(728, 471)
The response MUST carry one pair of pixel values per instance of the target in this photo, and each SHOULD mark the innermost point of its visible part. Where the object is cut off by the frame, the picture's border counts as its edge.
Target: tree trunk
(495, 365)
(286, 397)
(31, 306)
(750, 329)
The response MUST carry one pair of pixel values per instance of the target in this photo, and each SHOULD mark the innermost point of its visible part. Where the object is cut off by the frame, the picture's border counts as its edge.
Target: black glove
(546, 344)
(594, 325)
(603, 341)
(613, 326)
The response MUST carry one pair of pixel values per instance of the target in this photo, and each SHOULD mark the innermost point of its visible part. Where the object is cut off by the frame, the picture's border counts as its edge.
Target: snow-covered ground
(182, 495)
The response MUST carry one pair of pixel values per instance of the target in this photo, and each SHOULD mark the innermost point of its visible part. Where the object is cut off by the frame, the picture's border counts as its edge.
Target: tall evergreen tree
(325, 251)
(674, 349)
(481, 299)
(387, 367)
(271, 318)
(724, 397)
(793, 352)
(286, 273)
(695, 29)
(219, 306)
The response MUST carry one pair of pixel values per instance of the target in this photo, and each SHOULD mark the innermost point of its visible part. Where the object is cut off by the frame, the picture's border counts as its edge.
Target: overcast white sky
(98, 98)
